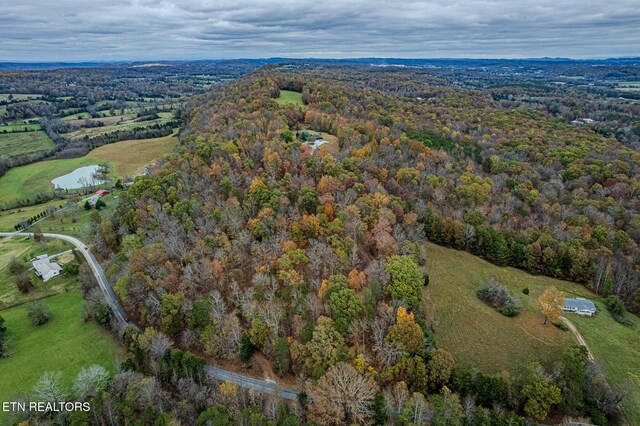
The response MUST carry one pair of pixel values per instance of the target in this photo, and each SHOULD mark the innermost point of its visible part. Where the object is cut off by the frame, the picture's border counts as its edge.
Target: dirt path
(579, 337)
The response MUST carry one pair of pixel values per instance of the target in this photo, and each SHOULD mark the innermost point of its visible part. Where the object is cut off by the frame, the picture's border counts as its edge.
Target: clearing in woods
(289, 97)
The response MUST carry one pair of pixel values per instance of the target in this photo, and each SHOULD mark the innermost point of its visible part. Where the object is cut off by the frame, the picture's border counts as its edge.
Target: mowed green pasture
(127, 158)
(289, 97)
(479, 335)
(12, 144)
(24, 249)
(66, 343)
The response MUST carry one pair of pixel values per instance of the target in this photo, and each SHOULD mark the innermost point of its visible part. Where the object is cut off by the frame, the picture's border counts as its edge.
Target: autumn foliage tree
(551, 302)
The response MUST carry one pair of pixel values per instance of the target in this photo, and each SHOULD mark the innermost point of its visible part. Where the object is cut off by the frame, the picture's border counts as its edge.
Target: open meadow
(18, 143)
(482, 337)
(289, 97)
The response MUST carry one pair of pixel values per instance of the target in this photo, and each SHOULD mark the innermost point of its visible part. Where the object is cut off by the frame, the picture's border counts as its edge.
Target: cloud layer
(45, 30)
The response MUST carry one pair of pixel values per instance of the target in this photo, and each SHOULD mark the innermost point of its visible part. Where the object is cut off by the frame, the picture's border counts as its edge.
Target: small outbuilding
(102, 192)
(579, 306)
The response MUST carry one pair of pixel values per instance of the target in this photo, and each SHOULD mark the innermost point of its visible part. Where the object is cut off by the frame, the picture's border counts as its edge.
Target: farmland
(19, 143)
(66, 343)
(477, 334)
(124, 125)
(26, 182)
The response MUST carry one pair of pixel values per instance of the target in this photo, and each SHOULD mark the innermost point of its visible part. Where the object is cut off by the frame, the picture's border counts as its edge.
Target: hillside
(248, 241)
(478, 335)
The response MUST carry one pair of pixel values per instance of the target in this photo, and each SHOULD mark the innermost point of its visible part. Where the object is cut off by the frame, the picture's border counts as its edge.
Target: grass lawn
(23, 142)
(126, 158)
(477, 334)
(66, 343)
(289, 97)
(25, 249)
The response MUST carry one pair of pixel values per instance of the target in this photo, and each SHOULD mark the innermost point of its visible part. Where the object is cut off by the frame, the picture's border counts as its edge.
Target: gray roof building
(579, 306)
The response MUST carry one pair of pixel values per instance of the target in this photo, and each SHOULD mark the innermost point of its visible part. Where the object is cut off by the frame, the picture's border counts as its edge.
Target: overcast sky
(76, 30)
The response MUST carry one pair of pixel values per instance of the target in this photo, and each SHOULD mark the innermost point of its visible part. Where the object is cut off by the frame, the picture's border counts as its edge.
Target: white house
(46, 269)
(579, 306)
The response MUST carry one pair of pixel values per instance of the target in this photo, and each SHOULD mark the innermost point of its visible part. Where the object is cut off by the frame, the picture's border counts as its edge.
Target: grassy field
(617, 350)
(24, 142)
(289, 97)
(76, 221)
(21, 96)
(66, 343)
(130, 157)
(79, 116)
(127, 158)
(477, 334)
(19, 126)
(25, 249)
(131, 124)
(9, 218)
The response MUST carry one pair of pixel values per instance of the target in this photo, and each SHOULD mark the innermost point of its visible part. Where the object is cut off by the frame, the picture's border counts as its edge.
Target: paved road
(247, 382)
(265, 386)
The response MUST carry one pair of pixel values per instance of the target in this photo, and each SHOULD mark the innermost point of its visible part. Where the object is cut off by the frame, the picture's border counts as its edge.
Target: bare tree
(342, 395)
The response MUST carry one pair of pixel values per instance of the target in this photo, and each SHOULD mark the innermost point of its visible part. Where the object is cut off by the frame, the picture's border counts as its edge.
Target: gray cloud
(42, 30)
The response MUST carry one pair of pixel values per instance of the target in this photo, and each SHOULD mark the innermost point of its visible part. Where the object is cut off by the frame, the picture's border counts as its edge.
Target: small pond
(79, 178)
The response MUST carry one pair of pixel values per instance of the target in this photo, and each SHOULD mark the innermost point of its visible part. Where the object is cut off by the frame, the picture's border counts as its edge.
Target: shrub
(511, 308)
(24, 283)
(38, 313)
(497, 296)
(71, 269)
(104, 315)
(615, 305)
(525, 290)
(562, 326)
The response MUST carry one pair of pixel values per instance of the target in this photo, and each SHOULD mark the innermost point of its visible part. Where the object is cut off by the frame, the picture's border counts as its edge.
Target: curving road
(266, 386)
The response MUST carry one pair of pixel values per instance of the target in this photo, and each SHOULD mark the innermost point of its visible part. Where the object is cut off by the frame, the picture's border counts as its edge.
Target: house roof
(580, 304)
(43, 266)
